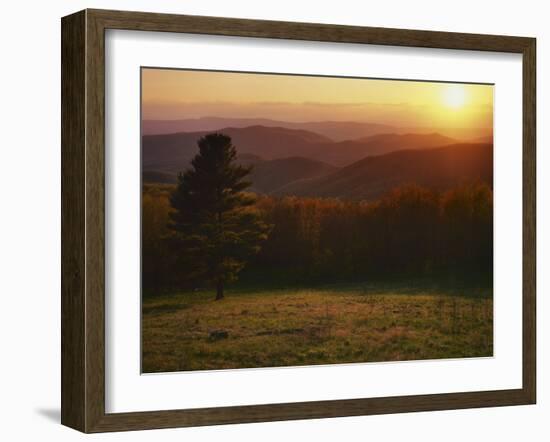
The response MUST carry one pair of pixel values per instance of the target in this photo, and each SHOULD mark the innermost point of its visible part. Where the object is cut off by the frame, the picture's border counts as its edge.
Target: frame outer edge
(529, 221)
(196, 24)
(73, 255)
(95, 221)
(83, 218)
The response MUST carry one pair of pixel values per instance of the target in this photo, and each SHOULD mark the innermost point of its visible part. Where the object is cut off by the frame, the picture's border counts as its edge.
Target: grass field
(323, 325)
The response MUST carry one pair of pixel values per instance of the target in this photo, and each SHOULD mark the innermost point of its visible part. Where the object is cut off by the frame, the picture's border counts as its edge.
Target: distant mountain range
(370, 177)
(346, 152)
(267, 176)
(438, 168)
(172, 152)
(270, 176)
(304, 163)
(334, 130)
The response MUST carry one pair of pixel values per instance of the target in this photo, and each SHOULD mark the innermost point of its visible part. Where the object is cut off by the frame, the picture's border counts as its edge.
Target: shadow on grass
(163, 303)
(471, 289)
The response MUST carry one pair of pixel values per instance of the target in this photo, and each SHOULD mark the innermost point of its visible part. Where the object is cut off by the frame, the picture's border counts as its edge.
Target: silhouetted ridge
(437, 168)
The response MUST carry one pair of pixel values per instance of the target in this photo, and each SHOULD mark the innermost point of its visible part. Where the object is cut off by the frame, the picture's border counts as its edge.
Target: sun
(454, 96)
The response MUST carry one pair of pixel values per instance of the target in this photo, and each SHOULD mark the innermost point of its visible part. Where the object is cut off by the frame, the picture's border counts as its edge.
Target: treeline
(411, 232)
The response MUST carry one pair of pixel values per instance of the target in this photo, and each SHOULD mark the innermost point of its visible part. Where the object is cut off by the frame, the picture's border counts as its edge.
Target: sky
(172, 94)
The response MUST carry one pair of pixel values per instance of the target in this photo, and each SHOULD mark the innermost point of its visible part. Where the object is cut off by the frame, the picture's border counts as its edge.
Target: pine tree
(215, 224)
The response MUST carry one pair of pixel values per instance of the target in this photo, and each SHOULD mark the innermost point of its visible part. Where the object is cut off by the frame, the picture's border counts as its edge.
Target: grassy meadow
(307, 326)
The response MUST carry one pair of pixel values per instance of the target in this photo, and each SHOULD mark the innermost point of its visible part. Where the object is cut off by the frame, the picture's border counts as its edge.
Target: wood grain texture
(529, 221)
(83, 220)
(308, 410)
(73, 132)
(95, 221)
(144, 21)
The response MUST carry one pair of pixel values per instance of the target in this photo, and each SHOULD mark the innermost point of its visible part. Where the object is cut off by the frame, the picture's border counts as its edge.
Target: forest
(409, 232)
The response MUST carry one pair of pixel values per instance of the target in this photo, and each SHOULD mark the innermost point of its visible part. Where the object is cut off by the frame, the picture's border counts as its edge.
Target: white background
(30, 230)
(128, 391)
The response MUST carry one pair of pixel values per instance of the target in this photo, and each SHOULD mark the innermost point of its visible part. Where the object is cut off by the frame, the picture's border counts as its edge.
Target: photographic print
(293, 220)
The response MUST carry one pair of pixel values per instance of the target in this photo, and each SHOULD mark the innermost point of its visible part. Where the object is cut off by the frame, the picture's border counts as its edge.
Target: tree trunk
(219, 290)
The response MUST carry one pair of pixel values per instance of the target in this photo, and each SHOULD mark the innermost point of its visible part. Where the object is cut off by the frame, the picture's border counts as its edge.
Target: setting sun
(455, 96)
(448, 108)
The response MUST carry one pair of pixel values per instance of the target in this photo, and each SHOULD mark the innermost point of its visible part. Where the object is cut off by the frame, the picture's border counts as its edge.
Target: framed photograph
(267, 221)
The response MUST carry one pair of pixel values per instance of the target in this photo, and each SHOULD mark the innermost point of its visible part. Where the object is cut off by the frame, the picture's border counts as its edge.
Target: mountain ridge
(335, 130)
(171, 152)
(266, 176)
(439, 168)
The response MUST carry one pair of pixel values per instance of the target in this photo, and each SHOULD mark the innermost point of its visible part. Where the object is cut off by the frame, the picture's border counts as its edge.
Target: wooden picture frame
(83, 220)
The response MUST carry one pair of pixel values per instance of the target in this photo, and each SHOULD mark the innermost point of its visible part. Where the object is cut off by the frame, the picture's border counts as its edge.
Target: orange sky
(179, 94)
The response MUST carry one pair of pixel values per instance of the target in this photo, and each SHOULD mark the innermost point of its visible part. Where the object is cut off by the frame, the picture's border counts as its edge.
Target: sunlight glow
(173, 94)
(454, 96)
